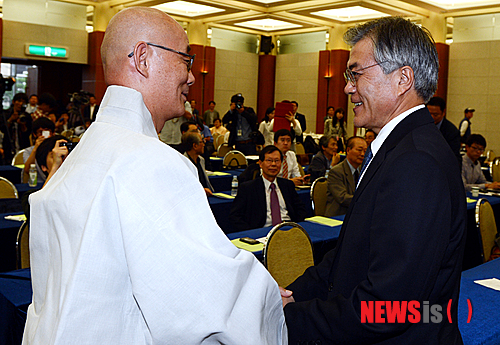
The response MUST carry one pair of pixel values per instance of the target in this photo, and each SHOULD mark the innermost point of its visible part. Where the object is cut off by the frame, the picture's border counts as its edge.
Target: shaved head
(160, 76)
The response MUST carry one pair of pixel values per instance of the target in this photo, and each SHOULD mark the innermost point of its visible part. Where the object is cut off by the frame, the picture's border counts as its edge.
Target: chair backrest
(299, 149)
(218, 142)
(7, 189)
(288, 253)
(234, 160)
(223, 150)
(301, 170)
(495, 169)
(318, 196)
(490, 156)
(23, 247)
(486, 226)
(18, 158)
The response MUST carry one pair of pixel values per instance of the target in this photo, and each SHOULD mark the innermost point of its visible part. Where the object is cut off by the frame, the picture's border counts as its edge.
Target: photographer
(241, 122)
(43, 128)
(16, 127)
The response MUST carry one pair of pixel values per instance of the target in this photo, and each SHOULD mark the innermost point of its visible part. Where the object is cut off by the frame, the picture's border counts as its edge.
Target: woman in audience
(335, 127)
(217, 128)
(330, 112)
(266, 127)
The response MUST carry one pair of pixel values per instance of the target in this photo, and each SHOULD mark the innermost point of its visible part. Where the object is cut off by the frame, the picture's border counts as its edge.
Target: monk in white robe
(124, 247)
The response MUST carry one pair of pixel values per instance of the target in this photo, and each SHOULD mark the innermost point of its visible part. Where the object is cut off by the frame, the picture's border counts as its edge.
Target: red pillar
(266, 84)
(93, 74)
(443, 51)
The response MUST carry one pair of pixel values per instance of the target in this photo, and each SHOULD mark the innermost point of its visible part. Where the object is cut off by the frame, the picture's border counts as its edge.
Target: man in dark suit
(255, 206)
(325, 159)
(437, 108)
(90, 110)
(403, 236)
(302, 120)
(342, 179)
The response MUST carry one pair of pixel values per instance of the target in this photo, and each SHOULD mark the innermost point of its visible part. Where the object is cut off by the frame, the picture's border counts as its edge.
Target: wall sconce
(327, 77)
(204, 72)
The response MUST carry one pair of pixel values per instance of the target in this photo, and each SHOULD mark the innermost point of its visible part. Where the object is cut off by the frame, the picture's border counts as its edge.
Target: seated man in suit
(195, 146)
(437, 108)
(325, 159)
(342, 179)
(472, 175)
(290, 167)
(267, 200)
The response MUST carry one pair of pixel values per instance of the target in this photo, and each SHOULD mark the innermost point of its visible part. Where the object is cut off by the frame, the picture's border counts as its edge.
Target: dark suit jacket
(86, 112)
(318, 167)
(249, 207)
(402, 239)
(302, 120)
(452, 137)
(340, 191)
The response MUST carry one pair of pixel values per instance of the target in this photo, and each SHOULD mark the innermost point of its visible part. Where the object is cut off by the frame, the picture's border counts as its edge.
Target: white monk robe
(125, 249)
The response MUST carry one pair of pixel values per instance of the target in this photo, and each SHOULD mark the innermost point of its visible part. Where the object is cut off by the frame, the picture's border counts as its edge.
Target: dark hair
(350, 141)
(437, 101)
(269, 149)
(324, 141)
(476, 139)
(45, 148)
(295, 102)
(237, 98)
(190, 138)
(328, 108)
(281, 133)
(211, 102)
(43, 122)
(217, 119)
(47, 98)
(34, 94)
(268, 111)
(341, 121)
(20, 96)
(185, 126)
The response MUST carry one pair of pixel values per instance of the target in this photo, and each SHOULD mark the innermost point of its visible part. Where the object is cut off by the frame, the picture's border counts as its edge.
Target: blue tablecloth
(8, 236)
(11, 173)
(483, 328)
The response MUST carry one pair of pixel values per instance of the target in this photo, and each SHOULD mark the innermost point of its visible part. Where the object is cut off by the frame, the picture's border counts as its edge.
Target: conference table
(11, 173)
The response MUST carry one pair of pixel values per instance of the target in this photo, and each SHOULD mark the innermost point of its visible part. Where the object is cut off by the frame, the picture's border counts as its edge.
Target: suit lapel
(350, 178)
(261, 199)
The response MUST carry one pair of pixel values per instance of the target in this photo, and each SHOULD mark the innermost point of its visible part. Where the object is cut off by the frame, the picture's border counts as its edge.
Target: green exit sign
(46, 51)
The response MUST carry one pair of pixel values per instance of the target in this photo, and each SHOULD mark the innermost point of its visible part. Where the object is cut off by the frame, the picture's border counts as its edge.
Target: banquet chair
(219, 141)
(23, 247)
(287, 253)
(486, 226)
(318, 196)
(234, 159)
(299, 149)
(7, 189)
(495, 169)
(223, 150)
(18, 158)
(490, 156)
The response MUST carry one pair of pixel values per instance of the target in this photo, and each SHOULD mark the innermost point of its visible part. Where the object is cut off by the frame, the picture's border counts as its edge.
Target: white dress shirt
(283, 210)
(117, 256)
(293, 165)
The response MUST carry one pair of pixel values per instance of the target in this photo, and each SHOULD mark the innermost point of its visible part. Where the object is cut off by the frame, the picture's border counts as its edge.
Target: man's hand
(38, 141)
(208, 191)
(286, 296)
(335, 160)
(494, 185)
(301, 180)
(59, 153)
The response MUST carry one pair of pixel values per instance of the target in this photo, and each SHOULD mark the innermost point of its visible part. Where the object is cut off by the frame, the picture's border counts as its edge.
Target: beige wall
(235, 72)
(473, 81)
(13, 43)
(297, 79)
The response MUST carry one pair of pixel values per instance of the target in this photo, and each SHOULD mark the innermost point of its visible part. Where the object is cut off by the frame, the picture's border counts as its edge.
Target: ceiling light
(268, 24)
(187, 9)
(267, 1)
(454, 4)
(353, 13)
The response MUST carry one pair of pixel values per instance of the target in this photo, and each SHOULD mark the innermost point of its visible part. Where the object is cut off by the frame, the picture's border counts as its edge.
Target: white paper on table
(19, 218)
(492, 283)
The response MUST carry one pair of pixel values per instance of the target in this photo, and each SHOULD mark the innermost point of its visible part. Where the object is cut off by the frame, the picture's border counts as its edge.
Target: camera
(238, 100)
(69, 145)
(80, 98)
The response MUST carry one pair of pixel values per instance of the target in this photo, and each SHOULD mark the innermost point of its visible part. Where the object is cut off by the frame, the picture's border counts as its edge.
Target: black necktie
(367, 159)
(356, 177)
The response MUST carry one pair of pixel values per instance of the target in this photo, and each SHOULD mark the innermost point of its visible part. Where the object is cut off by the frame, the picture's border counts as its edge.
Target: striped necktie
(367, 159)
(285, 168)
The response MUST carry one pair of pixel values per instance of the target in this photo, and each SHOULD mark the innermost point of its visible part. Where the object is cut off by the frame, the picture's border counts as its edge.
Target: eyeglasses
(190, 57)
(478, 149)
(352, 76)
(271, 161)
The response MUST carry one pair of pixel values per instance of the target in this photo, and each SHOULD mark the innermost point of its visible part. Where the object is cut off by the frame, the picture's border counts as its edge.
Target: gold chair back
(18, 158)
(490, 156)
(486, 226)
(234, 160)
(23, 247)
(299, 149)
(495, 169)
(7, 189)
(318, 196)
(223, 150)
(218, 142)
(288, 253)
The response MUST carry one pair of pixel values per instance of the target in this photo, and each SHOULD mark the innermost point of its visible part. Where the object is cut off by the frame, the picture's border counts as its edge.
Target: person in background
(15, 126)
(472, 175)
(146, 261)
(330, 111)
(370, 135)
(62, 123)
(47, 105)
(232, 106)
(302, 120)
(265, 127)
(218, 128)
(32, 104)
(43, 128)
(404, 233)
(335, 127)
(210, 114)
(268, 199)
(465, 125)
(344, 177)
(194, 144)
(91, 109)
(325, 159)
(290, 167)
(241, 122)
